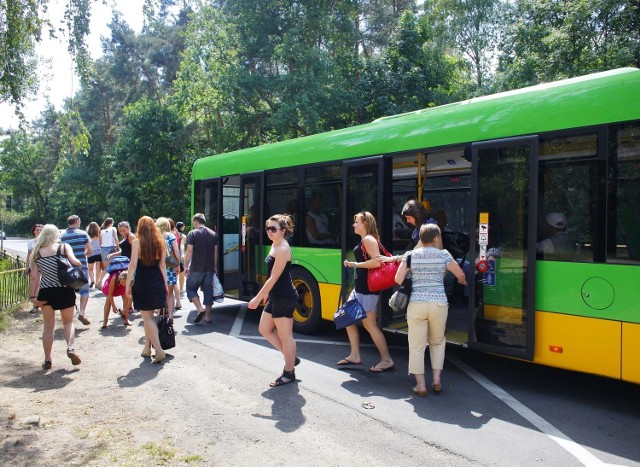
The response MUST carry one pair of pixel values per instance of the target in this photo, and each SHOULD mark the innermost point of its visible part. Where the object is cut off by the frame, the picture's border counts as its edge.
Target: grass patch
(194, 458)
(160, 454)
(6, 314)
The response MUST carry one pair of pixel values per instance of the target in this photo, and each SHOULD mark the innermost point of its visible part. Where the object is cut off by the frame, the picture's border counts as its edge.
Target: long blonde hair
(163, 224)
(49, 235)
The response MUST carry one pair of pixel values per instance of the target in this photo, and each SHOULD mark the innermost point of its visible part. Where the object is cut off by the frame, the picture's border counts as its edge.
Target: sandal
(73, 356)
(46, 365)
(286, 378)
(436, 388)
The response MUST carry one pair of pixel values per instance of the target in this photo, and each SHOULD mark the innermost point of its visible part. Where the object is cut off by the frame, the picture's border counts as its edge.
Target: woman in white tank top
(108, 245)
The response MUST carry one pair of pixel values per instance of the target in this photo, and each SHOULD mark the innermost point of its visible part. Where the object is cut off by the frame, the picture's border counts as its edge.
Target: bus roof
(607, 97)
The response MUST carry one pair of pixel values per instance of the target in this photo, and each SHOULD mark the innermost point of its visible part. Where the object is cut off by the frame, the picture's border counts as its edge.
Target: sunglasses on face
(271, 229)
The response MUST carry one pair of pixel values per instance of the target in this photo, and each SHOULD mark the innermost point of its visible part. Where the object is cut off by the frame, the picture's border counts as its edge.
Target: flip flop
(375, 369)
(346, 361)
(418, 392)
(199, 317)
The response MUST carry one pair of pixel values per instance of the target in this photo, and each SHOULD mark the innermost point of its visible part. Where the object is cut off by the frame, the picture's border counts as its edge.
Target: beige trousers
(427, 322)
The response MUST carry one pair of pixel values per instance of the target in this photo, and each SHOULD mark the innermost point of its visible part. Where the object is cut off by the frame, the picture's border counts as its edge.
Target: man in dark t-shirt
(200, 260)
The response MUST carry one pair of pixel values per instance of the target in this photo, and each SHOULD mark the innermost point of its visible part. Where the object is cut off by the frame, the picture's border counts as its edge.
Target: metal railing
(14, 281)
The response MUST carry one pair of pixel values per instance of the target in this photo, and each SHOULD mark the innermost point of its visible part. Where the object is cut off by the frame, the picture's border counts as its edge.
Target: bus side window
(624, 196)
(570, 204)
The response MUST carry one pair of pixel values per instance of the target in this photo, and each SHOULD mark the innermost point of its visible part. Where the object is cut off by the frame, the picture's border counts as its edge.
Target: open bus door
(240, 232)
(362, 182)
(502, 278)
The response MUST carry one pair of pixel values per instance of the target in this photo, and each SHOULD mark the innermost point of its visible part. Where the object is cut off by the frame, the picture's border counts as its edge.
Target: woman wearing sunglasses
(276, 322)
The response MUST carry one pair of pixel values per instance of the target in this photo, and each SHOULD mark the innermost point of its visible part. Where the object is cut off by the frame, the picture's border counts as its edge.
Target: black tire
(307, 315)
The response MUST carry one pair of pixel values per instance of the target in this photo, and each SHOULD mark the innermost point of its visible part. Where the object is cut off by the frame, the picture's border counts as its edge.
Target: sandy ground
(111, 409)
(204, 405)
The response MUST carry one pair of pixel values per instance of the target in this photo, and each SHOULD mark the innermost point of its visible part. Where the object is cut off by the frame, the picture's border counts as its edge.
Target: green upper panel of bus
(607, 97)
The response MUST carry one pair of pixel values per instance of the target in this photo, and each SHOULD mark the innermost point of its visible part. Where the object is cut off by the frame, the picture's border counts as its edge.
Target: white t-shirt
(108, 237)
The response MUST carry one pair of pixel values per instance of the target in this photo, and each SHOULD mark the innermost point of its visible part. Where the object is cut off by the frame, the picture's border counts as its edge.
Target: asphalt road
(492, 411)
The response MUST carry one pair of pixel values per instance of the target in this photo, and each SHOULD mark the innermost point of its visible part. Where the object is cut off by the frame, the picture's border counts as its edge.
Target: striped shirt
(77, 239)
(428, 268)
(48, 267)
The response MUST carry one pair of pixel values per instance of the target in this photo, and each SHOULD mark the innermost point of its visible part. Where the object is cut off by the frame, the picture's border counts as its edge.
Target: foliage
(21, 26)
(28, 172)
(472, 28)
(265, 71)
(555, 39)
(153, 163)
(413, 73)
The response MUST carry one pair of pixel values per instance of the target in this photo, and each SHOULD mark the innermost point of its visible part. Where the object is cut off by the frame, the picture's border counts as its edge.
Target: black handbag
(165, 330)
(69, 275)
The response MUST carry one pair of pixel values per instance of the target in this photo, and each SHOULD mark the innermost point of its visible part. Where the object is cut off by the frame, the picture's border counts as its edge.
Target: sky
(57, 79)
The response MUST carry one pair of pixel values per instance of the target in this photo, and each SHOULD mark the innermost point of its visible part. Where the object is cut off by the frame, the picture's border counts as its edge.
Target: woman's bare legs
(151, 335)
(353, 333)
(49, 321)
(371, 325)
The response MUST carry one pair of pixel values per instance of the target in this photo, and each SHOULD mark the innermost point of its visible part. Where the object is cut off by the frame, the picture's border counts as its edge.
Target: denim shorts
(106, 250)
(368, 301)
(203, 281)
(84, 290)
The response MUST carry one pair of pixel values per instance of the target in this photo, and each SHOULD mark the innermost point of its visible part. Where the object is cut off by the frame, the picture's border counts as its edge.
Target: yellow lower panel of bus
(631, 352)
(503, 314)
(578, 343)
(329, 294)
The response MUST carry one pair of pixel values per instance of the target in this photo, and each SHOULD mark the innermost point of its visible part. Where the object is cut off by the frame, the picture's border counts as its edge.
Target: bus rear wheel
(307, 315)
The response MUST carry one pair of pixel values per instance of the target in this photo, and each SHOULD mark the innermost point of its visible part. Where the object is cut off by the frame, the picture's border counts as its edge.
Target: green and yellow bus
(542, 184)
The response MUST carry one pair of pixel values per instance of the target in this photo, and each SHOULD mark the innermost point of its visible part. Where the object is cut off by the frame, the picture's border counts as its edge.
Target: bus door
(502, 276)
(251, 236)
(229, 236)
(362, 188)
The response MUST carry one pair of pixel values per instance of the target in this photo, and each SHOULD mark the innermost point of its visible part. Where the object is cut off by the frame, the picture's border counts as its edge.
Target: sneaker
(218, 298)
(83, 320)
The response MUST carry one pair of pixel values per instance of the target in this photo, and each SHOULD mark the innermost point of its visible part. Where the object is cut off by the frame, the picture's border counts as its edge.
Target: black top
(283, 289)
(125, 247)
(362, 273)
(203, 241)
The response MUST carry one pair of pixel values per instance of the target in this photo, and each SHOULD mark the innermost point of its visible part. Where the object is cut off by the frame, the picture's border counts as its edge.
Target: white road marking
(575, 449)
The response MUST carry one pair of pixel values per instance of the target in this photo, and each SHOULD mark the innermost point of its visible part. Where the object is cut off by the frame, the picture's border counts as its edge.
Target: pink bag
(118, 289)
(383, 277)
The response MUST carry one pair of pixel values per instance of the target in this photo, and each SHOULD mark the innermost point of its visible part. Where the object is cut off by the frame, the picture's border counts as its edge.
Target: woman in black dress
(276, 322)
(150, 284)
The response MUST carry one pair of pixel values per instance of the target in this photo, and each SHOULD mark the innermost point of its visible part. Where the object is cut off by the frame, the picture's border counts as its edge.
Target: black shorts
(58, 298)
(94, 258)
(280, 308)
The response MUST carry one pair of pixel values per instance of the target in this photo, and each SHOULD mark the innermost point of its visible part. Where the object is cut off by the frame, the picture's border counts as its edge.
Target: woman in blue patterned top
(428, 307)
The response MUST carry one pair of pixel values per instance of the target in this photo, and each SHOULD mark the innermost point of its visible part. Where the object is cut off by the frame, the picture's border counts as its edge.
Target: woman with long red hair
(149, 289)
